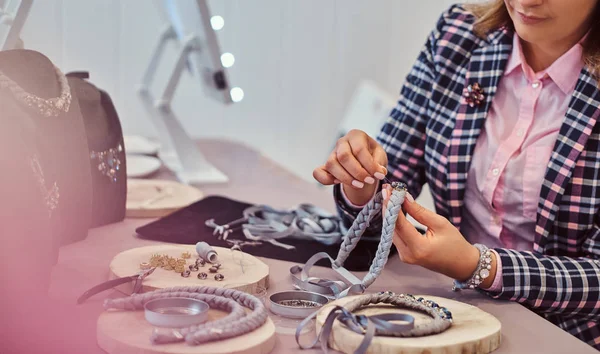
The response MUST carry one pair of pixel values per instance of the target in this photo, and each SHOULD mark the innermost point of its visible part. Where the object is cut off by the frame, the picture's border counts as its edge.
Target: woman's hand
(442, 249)
(357, 162)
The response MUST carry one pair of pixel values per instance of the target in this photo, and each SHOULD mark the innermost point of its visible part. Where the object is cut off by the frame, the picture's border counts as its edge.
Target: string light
(237, 94)
(217, 22)
(227, 59)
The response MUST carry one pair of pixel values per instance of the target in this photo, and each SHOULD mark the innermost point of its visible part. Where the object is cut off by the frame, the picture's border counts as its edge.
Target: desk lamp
(192, 28)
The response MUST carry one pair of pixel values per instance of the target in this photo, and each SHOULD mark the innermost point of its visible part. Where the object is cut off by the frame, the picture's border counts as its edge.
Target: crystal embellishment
(51, 196)
(108, 161)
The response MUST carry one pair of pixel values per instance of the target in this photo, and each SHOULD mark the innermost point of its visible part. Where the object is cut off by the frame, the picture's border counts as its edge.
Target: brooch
(108, 161)
(473, 94)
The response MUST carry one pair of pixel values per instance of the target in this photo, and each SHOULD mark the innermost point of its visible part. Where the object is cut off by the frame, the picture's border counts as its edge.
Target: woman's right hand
(357, 162)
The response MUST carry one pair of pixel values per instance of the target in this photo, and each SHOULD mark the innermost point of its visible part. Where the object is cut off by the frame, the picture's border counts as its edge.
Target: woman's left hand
(442, 249)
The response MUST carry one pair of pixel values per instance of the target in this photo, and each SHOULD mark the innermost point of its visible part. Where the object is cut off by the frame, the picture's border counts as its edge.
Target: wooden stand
(473, 331)
(242, 271)
(157, 198)
(127, 332)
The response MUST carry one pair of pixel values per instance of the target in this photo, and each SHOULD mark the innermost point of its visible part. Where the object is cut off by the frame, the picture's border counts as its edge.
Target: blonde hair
(493, 15)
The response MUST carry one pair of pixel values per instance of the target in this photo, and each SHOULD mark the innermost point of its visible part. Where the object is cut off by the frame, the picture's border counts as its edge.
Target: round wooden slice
(149, 198)
(127, 332)
(472, 331)
(242, 271)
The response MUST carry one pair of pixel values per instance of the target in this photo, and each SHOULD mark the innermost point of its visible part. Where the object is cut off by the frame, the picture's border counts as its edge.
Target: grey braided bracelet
(351, 239)
(232, 325)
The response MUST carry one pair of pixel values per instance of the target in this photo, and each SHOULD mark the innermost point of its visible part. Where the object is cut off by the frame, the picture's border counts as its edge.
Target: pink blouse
(513, 150)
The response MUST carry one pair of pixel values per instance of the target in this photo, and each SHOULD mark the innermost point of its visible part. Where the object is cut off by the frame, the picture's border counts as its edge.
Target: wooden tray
(253, 276)
(150, 198)
(473, 331)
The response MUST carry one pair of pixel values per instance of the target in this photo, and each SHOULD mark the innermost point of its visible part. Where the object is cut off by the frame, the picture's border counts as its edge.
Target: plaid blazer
(430, 136)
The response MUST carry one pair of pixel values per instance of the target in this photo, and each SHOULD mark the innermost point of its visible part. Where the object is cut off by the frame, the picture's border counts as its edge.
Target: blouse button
(535, 84)
(495, 171)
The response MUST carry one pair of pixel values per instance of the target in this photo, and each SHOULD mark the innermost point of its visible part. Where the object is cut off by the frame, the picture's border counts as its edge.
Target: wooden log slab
(242, 271)
(473, 331)
(127, 332)
(151, 198)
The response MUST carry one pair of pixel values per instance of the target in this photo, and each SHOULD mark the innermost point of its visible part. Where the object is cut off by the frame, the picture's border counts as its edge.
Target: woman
(499, 116)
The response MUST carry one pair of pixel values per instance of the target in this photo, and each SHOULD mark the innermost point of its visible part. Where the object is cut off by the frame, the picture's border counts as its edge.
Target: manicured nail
(384, 193)
(358, 184)
(369, 180)
(337, 181)
(379, 175)
(410, 198)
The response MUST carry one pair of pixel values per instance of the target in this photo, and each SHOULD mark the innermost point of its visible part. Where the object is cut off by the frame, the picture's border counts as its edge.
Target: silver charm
(108, 161)
(219, 277)
(202, 275)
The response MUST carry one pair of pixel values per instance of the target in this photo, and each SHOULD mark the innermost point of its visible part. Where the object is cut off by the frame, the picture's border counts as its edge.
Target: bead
(186, 255)
(193, 267)
(200, 262)
(185, 273)
(202, 275)
(145, 265)
(219, 277)
(217, 265)
(213, 269)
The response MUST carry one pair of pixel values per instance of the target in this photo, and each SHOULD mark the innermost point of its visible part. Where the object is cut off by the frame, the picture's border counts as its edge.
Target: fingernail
(358, 184)
(369, 180)
(410, 198)
(384, 193)
(337, 181)
(379, 175)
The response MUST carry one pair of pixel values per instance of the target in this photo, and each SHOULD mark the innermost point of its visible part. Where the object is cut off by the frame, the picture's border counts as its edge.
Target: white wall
(297, 61)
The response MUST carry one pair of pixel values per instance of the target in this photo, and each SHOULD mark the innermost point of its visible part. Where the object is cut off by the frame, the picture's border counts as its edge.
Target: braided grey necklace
(230, 300)
(380, 325)
(338, 289)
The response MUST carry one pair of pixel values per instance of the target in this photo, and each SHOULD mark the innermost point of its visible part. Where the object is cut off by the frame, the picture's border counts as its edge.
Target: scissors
(137, 286)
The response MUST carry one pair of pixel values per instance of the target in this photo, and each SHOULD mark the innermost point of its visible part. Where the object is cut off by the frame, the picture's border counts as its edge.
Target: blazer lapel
(580, 119)
(486, 68)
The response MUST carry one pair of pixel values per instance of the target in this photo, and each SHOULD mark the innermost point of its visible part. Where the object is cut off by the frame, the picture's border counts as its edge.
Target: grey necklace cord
(46, 106)
(235, 324)
(370, 326)
(300, 275)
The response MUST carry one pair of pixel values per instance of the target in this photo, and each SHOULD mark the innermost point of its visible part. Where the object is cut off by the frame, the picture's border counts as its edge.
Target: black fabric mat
(186, 226)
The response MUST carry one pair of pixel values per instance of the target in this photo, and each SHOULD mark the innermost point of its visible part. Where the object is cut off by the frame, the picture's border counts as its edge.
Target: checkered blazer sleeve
(554, 285)
(403, 134)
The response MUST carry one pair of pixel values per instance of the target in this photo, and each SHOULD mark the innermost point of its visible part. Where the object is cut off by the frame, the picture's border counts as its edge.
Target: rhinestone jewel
(202, 275)
(484, 273)
(219, 277)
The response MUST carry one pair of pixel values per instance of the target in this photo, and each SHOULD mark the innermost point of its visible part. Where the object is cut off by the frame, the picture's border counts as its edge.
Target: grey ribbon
(306, 222)
(330, 288)
(361, 324)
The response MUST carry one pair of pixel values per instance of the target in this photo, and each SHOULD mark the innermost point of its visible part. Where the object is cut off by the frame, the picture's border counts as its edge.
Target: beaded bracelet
(481, 272)
(381, 324)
